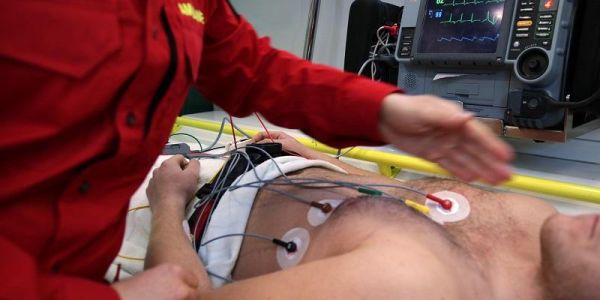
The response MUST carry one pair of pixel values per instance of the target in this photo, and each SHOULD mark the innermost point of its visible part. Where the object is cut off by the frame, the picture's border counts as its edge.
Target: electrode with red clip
(458, 208)
(444, 203)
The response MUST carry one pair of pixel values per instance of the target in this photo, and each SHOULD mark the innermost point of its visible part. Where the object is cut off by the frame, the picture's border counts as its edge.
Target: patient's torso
(500, 226)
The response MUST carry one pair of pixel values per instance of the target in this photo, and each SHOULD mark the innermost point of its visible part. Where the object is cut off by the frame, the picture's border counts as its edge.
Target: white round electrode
(460, 208)
(317, 217)
(301, 238)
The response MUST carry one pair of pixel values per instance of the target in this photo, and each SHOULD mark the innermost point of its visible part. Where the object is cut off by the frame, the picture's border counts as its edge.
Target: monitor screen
(461, 26)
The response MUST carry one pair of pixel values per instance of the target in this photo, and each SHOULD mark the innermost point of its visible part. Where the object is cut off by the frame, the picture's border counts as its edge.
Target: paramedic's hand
(440, 131)
(173, 185)
(163, 282)
(288, 143)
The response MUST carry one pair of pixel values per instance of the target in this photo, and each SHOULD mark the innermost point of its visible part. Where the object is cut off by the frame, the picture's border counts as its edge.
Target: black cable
(574, 105)
(288, 246)
(218, 276)
(339, 154)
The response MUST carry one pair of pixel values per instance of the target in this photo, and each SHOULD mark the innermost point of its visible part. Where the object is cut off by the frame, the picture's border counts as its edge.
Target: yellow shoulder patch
(187, 9)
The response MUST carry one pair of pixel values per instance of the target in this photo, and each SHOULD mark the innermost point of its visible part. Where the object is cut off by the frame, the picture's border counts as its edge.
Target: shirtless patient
(510, 246)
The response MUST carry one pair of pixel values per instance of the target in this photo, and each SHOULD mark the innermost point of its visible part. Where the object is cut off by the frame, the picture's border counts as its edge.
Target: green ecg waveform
(488, 18)
(473, 2)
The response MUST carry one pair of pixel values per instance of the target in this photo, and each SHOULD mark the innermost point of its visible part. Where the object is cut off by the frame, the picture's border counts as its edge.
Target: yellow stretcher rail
(526, 183)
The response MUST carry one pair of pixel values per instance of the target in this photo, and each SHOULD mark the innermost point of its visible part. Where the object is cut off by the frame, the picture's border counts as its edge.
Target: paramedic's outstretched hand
(162, 282)
(441, 131)
(173, 185)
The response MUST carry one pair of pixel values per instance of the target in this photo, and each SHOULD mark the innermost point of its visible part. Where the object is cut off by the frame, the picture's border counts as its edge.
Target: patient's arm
(171, 187)
(292, 146)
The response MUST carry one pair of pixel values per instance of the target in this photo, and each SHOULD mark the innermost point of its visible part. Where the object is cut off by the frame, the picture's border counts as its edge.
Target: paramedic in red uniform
(90, 91)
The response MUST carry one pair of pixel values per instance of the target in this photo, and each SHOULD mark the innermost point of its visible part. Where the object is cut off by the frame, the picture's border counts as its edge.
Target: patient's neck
(515, 278)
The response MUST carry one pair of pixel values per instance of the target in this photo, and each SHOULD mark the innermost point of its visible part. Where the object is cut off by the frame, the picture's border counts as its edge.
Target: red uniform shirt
(90, 91)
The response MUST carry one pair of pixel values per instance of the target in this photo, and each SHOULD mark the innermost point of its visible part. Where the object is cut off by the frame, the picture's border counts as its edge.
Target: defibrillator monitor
(509, 62)
(462, 30)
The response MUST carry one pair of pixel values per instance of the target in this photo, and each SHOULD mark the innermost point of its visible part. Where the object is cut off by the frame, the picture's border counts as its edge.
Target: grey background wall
(285, 21)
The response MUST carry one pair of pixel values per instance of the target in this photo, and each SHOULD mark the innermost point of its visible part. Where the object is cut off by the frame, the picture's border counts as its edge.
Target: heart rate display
(461, 26)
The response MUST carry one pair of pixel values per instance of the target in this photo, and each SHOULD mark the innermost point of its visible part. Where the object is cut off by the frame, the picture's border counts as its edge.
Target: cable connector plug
(393, 30)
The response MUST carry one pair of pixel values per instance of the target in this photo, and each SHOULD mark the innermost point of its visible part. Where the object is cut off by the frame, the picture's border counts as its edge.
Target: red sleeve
(243, 74)
(21, 279)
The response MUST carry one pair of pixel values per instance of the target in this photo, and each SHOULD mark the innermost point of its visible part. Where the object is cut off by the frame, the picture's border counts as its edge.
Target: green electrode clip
(369, 192)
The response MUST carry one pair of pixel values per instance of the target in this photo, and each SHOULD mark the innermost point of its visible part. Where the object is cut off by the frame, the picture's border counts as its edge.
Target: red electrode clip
(445, 204)
(393, 30)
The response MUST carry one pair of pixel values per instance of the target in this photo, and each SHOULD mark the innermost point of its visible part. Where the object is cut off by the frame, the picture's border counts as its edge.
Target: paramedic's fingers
(162, 282)
(289, 143)
(171, 187)
(177, 160)
(192, 168)
(421, 125)
(416, 114)
(264, 137)
(258, 137)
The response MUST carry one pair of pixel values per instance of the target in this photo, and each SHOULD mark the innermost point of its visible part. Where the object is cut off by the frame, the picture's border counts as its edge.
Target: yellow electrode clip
(416, 206)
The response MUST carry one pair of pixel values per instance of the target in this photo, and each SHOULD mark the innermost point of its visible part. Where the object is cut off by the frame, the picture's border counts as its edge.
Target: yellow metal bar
(526, 183)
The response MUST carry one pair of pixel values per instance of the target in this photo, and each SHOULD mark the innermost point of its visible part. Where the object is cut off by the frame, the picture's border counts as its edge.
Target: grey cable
(221, 129)
(290, 195)
(188, 135)
(364, 66)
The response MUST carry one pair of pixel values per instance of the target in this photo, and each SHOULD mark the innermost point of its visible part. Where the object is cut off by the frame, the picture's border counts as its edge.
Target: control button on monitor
(542, 34)
(548, 5)
(524, 17)
(522, 35)
(546, 16)
(525, 23)
(544, 28)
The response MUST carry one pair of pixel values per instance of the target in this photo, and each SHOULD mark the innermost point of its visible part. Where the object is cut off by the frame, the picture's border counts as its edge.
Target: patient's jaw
(571, 257)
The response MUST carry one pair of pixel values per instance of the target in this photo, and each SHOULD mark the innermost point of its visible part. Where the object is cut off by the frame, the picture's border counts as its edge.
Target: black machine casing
(366, 16)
